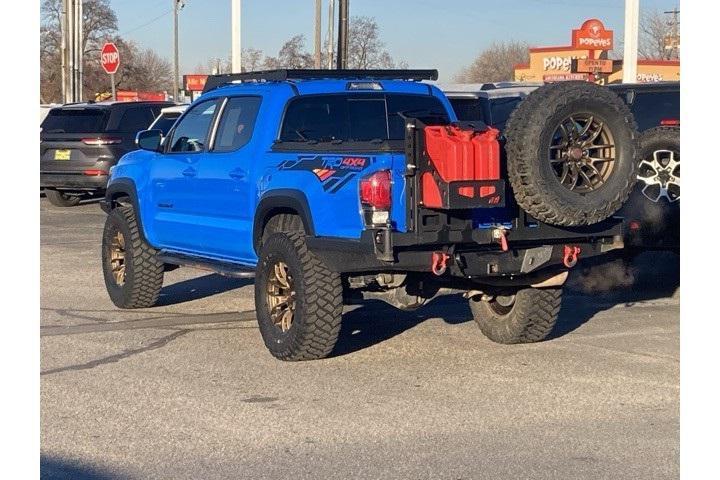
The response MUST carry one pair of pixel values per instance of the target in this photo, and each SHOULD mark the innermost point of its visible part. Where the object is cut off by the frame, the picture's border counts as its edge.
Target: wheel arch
(123, 191)
(281, 201)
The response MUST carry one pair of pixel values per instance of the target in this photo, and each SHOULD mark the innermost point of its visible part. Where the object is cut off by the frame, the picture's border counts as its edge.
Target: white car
(167, 118)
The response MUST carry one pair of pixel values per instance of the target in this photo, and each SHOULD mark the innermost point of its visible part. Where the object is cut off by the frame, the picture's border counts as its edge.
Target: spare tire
(571, 153)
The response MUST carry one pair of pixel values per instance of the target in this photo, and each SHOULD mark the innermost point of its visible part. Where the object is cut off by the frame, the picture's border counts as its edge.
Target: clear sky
(442, 34)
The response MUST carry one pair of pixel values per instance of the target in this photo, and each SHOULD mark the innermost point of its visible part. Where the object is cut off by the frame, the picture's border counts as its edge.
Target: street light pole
(342, 50)
(176, 69)
(632, 22)
(331, 34)
(318, 33)
(236, 38)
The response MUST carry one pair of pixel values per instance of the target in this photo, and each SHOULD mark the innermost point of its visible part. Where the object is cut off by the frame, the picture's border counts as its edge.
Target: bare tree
(291, 55)
(655, 27)
(140, 69)
(496, 63)
(366, 50)
(252, 59)
(148, 71)
(99, 23)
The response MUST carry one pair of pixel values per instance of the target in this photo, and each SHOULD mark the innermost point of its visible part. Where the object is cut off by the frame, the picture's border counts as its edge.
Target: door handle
(238, 174)
(189, 172)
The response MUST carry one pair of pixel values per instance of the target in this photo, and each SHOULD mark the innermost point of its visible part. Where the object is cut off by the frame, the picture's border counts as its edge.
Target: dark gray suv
(80, 142)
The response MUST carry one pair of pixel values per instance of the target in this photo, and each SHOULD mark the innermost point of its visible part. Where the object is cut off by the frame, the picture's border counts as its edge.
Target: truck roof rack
(282, 75)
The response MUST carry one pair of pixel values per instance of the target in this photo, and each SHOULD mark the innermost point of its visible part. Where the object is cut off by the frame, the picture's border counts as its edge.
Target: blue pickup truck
(324, 184)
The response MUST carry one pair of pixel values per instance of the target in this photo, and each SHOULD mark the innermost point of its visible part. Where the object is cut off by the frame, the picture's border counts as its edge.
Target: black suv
(653, 210)
(80, 142)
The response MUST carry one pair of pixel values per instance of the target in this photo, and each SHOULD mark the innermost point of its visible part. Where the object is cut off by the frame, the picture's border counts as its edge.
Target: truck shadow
(654, 276)
(199, 287)
(54, 468)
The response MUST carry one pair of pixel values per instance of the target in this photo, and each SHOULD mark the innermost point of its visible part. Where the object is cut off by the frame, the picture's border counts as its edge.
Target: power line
(153, 20)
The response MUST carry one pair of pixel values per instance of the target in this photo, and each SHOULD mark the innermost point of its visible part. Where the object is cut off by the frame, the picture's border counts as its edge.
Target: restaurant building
(586, 58)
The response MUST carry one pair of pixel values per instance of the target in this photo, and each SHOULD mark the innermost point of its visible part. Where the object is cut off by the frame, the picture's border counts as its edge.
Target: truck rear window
(362, 117)
(75, 120)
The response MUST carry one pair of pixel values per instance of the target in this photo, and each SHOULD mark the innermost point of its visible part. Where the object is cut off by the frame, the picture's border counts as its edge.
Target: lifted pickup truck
(326, 184)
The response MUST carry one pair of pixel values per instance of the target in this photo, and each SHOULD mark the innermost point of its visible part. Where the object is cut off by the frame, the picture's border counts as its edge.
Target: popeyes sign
(592, 36)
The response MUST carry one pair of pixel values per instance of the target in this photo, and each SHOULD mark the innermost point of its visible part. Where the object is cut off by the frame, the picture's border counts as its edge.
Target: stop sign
(110, 58)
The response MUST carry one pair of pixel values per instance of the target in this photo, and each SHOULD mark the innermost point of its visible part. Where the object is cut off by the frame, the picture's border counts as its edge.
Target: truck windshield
(75, 120)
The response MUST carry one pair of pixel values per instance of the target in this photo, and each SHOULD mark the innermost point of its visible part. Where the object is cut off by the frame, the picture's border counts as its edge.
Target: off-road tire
(318, 300)
(530, 319)
(659, 138)
(282, 223)
(60, 199)
(143, 271)
(529, 132)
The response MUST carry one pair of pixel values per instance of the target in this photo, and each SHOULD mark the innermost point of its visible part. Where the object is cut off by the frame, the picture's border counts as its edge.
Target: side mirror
(149, 140)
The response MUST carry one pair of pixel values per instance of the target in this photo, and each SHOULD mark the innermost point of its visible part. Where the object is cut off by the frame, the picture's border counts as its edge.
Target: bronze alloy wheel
(117, 258)
(582, 153)
(281, 296)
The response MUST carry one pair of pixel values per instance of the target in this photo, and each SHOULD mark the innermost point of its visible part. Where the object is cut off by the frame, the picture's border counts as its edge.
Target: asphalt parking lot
(187, 389)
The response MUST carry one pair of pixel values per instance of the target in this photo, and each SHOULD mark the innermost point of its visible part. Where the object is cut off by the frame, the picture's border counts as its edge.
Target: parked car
(80, 142)
(324, 184)
(491, 103)
(653, 211)
(167, 118)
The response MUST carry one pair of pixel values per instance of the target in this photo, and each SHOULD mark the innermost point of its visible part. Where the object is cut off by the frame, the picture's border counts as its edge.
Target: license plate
(62, 154)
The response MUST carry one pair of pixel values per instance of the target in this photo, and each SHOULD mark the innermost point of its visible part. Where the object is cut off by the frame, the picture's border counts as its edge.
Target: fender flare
(281, 200)
(123, 187)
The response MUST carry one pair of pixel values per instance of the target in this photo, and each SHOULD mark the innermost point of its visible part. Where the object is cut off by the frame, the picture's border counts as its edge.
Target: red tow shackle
(570, 255)
(439, 263)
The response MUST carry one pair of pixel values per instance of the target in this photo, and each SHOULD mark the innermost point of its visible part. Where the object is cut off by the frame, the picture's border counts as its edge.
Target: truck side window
(191, 132)
(237, 123)
(322, 118)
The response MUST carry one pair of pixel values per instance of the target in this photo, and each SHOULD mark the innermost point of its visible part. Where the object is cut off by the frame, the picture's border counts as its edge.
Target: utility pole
(318, 33)
(331, 34)
(236, 47)
(342, 51)
(632, 22)
(64, 51)
(672, 41)
(177, 5)
(80, 49)
(71, 50)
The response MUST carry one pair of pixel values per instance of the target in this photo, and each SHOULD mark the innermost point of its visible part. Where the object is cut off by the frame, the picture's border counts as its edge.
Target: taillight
(94, 172)
(375, 190)
(670, 122)
(102, 141)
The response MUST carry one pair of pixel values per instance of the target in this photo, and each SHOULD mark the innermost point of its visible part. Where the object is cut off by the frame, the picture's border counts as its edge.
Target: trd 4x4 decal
(333, 171)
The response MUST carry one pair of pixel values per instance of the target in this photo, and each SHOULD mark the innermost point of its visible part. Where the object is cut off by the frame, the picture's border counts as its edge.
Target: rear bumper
(70, 180)
(476, 256)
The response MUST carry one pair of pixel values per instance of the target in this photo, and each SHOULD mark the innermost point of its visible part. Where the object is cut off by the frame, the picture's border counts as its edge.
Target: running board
(227, 269)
